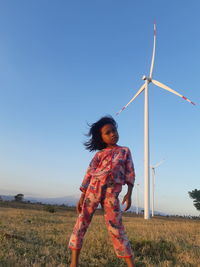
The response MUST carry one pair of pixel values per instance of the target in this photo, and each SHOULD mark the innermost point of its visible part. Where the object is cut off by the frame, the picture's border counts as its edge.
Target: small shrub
(50, 209)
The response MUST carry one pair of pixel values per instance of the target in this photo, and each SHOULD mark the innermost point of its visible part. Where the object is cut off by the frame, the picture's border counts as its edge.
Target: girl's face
(109, 135)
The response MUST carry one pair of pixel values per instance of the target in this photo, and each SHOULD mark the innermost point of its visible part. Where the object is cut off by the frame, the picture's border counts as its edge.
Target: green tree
(19, 197)
(195, 194)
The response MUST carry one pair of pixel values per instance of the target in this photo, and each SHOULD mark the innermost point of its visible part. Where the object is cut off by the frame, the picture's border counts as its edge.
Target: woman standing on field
(110, 168)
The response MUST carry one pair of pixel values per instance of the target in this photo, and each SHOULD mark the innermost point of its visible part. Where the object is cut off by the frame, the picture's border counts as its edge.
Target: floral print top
(115, 162)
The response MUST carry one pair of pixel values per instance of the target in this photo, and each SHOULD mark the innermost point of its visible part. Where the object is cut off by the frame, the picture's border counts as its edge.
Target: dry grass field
(38, 238)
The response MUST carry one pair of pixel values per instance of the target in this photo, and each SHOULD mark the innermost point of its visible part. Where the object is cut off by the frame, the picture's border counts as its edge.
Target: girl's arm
(129, 180)
(129, 171)
(127, 197)
(92, 167)
(80, 203)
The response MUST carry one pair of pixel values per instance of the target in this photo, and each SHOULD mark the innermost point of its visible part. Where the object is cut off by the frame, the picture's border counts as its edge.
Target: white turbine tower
(153, 183)
(146, 125)
(137, 207)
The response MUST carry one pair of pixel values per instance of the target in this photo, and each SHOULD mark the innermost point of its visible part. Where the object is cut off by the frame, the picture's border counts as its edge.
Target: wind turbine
(144, 88)
(153, 183)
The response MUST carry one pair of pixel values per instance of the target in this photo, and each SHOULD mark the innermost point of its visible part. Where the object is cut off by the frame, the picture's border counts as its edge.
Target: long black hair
(96, 142)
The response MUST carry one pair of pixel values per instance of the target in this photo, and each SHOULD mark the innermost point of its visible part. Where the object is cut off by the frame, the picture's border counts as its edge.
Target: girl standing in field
(110, 168)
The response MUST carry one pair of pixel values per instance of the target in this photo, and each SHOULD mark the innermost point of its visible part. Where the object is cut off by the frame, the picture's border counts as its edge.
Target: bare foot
(75, 258)
(130, 262)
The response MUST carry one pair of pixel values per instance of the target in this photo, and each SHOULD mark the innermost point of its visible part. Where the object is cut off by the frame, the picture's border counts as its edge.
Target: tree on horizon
(19, 197)
(195, 194)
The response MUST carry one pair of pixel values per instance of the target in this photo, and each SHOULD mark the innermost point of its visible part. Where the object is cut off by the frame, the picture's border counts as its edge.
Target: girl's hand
(127, 199)
(80, 203)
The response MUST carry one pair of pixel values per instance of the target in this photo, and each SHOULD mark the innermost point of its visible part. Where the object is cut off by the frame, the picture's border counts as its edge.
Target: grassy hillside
(35, 237)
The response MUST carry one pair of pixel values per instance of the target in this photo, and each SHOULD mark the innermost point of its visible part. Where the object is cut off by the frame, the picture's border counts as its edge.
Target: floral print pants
(107, 195)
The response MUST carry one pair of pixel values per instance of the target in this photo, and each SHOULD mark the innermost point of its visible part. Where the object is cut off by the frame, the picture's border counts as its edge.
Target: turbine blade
(153, 55)
(163, 86)
(138, 92)
(159, 163)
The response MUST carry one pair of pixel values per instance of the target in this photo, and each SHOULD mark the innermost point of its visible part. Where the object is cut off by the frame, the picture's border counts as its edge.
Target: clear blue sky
(66, 63)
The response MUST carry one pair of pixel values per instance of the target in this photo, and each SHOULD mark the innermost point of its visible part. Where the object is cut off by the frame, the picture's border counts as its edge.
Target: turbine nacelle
(146, 78)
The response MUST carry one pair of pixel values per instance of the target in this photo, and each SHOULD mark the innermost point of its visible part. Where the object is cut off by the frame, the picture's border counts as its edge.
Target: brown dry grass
(39, 238)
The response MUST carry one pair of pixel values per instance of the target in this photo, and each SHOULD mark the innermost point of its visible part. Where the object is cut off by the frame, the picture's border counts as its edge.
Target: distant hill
(67, 200)
(7, 198)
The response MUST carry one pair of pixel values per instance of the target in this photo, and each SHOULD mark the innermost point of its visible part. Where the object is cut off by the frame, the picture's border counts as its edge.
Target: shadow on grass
(155, 251)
